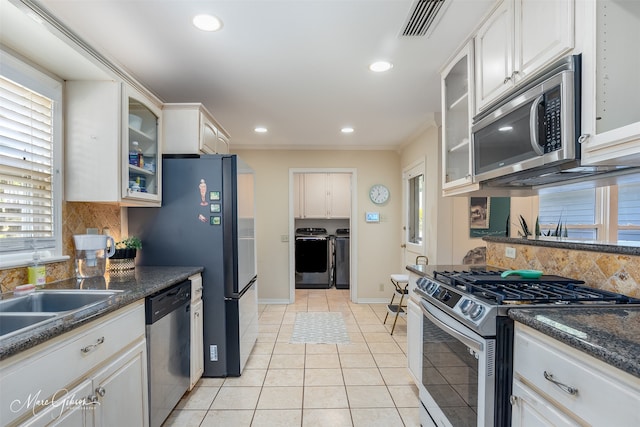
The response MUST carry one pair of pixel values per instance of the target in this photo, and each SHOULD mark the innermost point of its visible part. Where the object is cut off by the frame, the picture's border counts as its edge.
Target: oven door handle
(469, 342)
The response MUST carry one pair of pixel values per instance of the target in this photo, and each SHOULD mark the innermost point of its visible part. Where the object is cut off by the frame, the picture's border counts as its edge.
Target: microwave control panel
(552, 126)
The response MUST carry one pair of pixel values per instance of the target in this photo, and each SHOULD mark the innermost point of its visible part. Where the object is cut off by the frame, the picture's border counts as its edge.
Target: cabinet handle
(92, 399)
(583, 138)
(197, 314)
(506, 80)
(566, 388)
(101, 391)
(513, 400)
(92, 347)
(514, 75)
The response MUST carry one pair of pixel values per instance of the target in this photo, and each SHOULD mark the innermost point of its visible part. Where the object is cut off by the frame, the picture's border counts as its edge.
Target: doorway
(325, 199)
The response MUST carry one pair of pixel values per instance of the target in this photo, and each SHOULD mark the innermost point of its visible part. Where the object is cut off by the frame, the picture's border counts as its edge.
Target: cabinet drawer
(600, 389)
(61, 362)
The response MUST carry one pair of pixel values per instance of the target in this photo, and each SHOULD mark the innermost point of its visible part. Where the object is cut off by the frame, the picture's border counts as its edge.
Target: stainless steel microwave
(531, 130)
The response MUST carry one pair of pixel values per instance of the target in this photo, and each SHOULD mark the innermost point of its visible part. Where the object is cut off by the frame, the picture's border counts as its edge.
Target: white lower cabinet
(414, 341)
(197, 331)
(95, 375)
(197, 344)
(531, 409)
(69, 410)
(118, 390)
(555, 384)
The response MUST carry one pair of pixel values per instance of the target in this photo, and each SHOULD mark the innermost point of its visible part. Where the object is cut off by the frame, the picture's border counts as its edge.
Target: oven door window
(450, 374)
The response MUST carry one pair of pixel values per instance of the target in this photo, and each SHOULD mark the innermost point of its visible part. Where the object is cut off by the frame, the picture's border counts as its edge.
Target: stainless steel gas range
(460, 338)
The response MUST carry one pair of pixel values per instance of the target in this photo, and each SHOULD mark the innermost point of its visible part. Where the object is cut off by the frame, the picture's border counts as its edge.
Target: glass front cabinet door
(457, 107)
(141, 151)
(610, 83)
(113, 151)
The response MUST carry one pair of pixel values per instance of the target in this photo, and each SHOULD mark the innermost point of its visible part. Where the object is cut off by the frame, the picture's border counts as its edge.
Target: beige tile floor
(364, 383)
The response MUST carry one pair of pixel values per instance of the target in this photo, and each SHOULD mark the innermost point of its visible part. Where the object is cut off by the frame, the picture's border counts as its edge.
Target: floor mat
(319, 328)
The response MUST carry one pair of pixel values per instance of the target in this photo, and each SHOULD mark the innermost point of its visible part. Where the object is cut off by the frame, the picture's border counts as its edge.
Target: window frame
(409, 174)
(606, 215)
(23, 72)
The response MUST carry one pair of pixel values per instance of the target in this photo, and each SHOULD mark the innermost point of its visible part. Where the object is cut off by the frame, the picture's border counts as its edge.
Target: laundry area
(322, 216)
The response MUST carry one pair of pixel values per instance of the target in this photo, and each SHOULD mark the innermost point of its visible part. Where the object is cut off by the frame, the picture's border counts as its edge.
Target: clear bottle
(36, 272)
(134, 158)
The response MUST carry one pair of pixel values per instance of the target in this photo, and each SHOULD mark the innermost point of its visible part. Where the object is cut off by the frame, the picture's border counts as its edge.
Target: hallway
(364, 383)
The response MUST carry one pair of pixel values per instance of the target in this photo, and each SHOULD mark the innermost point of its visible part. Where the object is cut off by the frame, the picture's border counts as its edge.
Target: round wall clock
(379, 194)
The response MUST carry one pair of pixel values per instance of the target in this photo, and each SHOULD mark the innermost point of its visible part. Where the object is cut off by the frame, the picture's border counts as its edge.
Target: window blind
(571, 208)
(26, 169)
(629, 212)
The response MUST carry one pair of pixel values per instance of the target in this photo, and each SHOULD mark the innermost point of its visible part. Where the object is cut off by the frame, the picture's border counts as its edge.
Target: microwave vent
(557, 175)
(421, 18)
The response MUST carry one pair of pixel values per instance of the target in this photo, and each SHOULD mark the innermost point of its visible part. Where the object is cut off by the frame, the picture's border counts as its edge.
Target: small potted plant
(125, 254)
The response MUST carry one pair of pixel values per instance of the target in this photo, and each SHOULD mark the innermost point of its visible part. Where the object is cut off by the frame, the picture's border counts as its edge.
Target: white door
(413, 229)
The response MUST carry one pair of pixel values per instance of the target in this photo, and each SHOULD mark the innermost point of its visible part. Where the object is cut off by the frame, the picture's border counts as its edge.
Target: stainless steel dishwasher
(168, 320)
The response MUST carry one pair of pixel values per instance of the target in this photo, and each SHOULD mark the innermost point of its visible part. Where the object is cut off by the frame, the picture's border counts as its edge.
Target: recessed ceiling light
(380, 66)
(261, 129)
(207, 22)
(346, 129)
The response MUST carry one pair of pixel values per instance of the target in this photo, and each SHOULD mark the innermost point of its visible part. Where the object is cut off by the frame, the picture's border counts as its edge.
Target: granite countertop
(622, 247)
(427, 270)
(135, 285)
(611, 334)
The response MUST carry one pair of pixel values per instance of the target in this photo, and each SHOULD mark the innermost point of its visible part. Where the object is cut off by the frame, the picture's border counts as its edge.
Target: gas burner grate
(492, 287)
(535, 293)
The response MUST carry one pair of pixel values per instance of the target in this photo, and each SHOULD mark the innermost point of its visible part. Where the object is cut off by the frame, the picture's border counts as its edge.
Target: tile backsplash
(76, 218)
(612, 272)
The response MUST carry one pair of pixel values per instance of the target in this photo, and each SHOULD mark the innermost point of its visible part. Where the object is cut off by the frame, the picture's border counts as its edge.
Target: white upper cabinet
(611, 83)
(494, 55)
(322, 195)
(112, 150)
(339, 195)
(457, 110)
(315, 196)
(517, 40)
(189, 128)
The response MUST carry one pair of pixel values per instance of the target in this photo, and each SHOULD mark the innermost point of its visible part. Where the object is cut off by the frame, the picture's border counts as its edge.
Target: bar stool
(401, 288)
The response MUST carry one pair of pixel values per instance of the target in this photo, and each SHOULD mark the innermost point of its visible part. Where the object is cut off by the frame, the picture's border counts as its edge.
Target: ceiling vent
(422, 16)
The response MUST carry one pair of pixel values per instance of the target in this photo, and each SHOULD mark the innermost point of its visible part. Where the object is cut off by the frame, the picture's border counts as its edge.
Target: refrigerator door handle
(238, 295)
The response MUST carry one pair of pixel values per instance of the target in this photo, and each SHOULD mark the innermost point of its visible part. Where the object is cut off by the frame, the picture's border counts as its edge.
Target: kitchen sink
(18, 314)
(12, 322)
(54, 301)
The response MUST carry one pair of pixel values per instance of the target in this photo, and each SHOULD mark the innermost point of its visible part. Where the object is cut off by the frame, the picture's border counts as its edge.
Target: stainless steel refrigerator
(207, 219)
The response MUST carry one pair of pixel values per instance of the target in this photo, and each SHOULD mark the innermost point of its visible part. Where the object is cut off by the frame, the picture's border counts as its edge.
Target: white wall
(447, 218)
(447, 231)
(377, 244)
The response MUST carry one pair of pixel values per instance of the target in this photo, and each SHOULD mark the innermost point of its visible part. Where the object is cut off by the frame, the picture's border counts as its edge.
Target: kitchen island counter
(135, 285)
(610, 334)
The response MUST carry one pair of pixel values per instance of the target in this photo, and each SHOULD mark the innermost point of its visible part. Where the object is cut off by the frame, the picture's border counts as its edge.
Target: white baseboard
(273, 301)
(372, 301)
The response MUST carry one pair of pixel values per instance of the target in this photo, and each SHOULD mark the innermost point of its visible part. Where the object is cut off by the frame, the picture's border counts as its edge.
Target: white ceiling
(297, 67)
